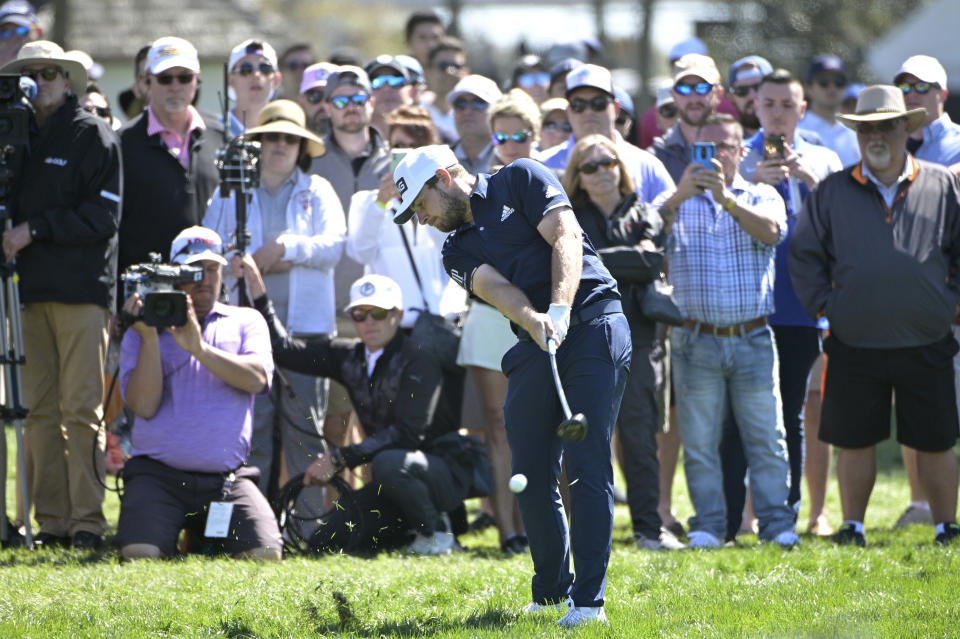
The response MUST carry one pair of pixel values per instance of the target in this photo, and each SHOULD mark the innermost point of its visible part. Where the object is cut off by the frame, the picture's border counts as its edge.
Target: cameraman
(397, 390)
(64, 239)
(192, 390)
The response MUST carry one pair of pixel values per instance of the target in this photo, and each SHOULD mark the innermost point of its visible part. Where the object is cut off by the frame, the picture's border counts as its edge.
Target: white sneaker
(703, 540)
(669, 541)
(561, 606)
(787, 539)
(580, 615)
(439, 543)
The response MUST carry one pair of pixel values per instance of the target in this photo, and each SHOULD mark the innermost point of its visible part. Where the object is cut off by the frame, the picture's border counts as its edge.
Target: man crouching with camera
(192, 389)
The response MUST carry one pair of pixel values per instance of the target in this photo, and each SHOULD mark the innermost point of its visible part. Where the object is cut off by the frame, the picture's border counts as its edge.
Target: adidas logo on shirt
(507, 212)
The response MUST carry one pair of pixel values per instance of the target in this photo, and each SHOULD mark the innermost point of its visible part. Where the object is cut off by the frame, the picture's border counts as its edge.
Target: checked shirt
(720, 274)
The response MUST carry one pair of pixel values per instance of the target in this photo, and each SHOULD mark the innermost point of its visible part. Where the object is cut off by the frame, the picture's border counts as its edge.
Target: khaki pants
(65, 347)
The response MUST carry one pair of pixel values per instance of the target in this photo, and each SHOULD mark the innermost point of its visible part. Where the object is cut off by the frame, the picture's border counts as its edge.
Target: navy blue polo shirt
(506, 208)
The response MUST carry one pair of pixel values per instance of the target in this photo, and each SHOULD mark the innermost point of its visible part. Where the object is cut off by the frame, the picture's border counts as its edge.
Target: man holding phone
(724, 349)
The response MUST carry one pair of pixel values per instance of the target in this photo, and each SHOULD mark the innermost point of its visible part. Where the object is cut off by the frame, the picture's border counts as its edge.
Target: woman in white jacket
(297, 228)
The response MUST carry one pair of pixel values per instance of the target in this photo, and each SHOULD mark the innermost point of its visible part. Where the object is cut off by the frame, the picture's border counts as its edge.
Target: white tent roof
(932, 30)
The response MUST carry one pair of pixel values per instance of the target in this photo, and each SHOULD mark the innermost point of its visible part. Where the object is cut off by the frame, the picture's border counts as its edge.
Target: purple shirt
(202, 424)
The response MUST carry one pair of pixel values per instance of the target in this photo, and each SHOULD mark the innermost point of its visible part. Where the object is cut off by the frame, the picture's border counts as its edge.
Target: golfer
(517, 245)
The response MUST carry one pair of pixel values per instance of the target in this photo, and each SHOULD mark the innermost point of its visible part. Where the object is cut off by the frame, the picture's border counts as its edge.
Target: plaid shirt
(721, 275)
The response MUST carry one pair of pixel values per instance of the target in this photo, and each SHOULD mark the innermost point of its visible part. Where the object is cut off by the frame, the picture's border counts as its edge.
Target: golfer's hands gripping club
(560, 315)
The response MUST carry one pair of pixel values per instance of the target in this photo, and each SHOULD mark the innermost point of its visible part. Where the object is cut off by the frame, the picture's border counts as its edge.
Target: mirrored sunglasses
(700, 88)
(518, 136)
(15, 31)
(592, 167)
(921, 88)
(343, 101)
(553, 125)
(392, 81)
(359, 314)
(530, 80)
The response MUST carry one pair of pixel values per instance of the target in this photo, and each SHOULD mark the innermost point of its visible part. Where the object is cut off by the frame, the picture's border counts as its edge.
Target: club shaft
(556, 381)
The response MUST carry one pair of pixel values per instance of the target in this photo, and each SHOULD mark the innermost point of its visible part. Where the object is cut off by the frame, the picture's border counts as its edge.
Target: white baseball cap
(375, 290)
(168, 52)
(250, 47)
(925, 68)
(590, 75)
(413, 171)
(197, 243)
(478, 85)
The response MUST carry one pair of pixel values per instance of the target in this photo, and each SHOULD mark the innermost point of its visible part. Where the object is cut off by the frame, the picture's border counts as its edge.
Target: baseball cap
(413, 67)
(590, 75)
(413, 171)
(626, 102)
(316, 75)
(18, 12)
(197, 243)
(701, 66)
(375, 290)
(665, 95)
(478, 85)
(690, 45)
(344, 76)
(560, 70)
(756, 68)
(825, 63)
(251, 47)
(168, 52)
(926, 68)
(386, 62)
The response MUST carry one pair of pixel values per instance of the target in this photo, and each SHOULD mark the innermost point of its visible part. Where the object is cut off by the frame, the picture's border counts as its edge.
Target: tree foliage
(790, 32)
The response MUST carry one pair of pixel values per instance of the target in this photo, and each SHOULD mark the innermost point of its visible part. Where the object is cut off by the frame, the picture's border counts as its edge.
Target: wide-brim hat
(883, 102)
(46, 52)
(286, 116)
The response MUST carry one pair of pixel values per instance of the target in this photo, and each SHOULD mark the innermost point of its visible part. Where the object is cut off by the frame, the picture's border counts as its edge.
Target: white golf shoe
(581, 615)
(561, 606)
(439, 543)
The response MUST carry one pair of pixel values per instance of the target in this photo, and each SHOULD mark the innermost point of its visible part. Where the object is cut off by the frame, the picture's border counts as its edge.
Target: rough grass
(900, 586)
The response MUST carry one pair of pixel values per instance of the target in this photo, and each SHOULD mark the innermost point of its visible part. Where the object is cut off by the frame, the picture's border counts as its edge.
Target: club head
(573, 429)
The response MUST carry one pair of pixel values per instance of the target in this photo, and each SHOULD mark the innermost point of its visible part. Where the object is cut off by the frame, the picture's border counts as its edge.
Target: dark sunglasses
(668, 110)
(503, 138)
(700, 88)
(553, 125)
(49, 74)
(918, 87)
(530, 80)
(314, 96)
(295, 65)
(446, 65)
(103, 112)
(598, 103)
(392, 81)
(248, 68)
(274, 136)
(592, 167)
(18, 31)
(883, 126)
(826, 82)
(379, 314)
(182, 78)
(744, 91)
(461, 104)
(343, 101)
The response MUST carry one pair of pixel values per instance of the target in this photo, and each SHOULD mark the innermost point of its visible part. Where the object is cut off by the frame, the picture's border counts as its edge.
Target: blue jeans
(709, 372)
(594, 362)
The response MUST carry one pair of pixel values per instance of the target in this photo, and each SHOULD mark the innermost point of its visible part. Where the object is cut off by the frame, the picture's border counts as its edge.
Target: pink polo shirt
(178, 145)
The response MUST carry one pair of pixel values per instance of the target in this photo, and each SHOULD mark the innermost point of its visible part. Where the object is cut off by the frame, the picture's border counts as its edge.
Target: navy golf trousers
(594, 362)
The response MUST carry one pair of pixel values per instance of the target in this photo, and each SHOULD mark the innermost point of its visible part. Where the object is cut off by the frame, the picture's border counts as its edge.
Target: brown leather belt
(734, 330)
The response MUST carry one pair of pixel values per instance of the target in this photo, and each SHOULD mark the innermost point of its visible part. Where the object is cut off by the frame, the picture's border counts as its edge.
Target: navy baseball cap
(826, 63)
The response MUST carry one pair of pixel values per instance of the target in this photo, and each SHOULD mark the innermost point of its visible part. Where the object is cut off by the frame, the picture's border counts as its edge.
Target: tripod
(11, 361)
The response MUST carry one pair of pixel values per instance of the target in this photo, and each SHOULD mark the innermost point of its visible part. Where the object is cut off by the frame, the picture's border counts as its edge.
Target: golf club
(574, 427)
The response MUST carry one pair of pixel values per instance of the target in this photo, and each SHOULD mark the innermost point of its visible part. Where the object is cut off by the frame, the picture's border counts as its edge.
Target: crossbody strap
(413, 266)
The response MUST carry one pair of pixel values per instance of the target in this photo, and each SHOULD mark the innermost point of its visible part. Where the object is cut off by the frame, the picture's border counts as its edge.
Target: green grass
(900, 586)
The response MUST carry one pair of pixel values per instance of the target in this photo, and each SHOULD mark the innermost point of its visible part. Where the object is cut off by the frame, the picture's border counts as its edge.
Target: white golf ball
(518, 483)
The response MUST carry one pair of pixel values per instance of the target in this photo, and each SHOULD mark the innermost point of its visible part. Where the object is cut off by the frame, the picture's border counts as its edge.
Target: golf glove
(560, 315)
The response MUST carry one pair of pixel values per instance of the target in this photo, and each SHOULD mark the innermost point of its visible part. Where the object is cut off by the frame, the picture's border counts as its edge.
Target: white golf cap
(590, 75)
(478, 85)
(168, 52)
(375, 290)
(252, 47)
(413, 171)
(925, 68)
(197, 243)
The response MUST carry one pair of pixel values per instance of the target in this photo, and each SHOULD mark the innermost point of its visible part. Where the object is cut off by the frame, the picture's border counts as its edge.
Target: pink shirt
(178, 145)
